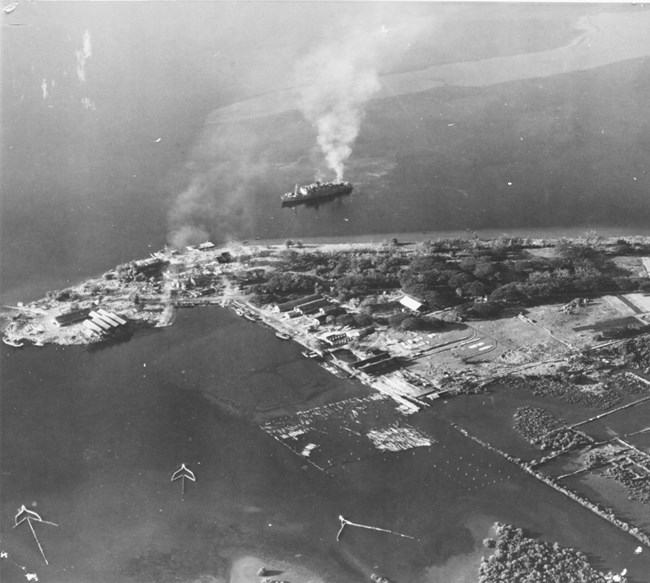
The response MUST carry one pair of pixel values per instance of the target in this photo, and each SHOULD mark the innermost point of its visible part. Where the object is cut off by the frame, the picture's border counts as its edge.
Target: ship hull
(317, 197)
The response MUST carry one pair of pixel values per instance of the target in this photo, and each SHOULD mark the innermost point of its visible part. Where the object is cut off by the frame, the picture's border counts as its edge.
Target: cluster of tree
(637, 489)
(283, 285)
(564, 438)
(464, 272)
(622, 332)
(407, 322)
(597, 458)
(349, 274)
(561, 387)
(517, 557)
(359, 320)
(373, 306)
(64, 295)
(534, 423)
(479, 310)
(635, 352)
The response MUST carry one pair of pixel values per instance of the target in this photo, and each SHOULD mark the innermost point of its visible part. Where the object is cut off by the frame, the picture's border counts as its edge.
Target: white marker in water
(183, 473)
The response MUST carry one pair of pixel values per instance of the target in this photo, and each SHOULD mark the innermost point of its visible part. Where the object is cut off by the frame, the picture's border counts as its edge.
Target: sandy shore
(549, 234)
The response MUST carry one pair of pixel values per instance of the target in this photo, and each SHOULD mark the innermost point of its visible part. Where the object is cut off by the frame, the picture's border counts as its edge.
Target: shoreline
(162, 304)
(552, 233)
(230, 293)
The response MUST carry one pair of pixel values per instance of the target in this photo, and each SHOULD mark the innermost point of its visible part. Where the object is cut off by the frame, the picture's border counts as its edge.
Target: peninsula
(562, 322)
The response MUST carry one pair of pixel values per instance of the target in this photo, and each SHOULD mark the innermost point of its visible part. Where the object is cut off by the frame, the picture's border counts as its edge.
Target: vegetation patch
(534, 423)
(541, 428)
(560, 388)
(517, 557)
(635, 480)
(564, 438)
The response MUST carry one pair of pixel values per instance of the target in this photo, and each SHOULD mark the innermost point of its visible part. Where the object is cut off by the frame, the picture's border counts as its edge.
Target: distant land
(599, 41)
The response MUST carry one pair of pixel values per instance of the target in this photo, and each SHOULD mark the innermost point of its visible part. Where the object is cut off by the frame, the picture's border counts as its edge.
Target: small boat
(250, 317)
(334, 370)
(309, 354)
(9, 8)
(239, 312)
(283, 336)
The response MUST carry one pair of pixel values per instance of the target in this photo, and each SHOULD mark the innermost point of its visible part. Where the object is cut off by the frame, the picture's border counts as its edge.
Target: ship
(316, 191)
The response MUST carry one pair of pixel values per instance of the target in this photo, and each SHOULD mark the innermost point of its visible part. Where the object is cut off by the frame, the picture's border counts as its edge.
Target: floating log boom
(345, 522)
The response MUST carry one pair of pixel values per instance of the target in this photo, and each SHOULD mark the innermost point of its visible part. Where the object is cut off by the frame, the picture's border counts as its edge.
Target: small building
(378, 357)
(207, 246)
(100, 323)
(103, 320)
(112, 315)
(412, 304)
(377, 364)
(331, 310)
(224, 257)
(151, 267)
(93, 327)
(361, 332)
(335, 338)
(251, 276)
(312, 307)
(107, 317)
(72, 317)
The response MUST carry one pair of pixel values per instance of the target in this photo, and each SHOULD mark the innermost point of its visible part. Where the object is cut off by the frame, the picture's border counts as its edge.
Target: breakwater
(605, 513)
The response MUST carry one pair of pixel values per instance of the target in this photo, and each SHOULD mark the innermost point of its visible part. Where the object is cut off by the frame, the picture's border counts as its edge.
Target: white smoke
(341, 79)
(342, 74)
(229, 168)
(88, 103)
(225, 171)
(83, 55)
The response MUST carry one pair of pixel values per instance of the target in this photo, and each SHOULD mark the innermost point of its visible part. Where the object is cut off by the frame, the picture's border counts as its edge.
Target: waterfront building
(72, 317)
(112, 316)
(335, 338)
(412, 304)
(93, 327)
(224, 257)
(312, 307)
(288, 306)
(150, 267)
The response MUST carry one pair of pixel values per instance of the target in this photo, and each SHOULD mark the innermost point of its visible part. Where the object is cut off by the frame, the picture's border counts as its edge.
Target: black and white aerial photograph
(324, 292)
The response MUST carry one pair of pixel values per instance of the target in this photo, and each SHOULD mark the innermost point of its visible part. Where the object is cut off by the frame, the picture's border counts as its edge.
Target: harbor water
(90, 439)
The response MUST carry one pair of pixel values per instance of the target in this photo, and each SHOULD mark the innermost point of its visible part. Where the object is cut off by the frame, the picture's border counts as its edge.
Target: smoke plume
(225, 170)
(341, 79)
(82, 56)
(333, 81)
(342, 74)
